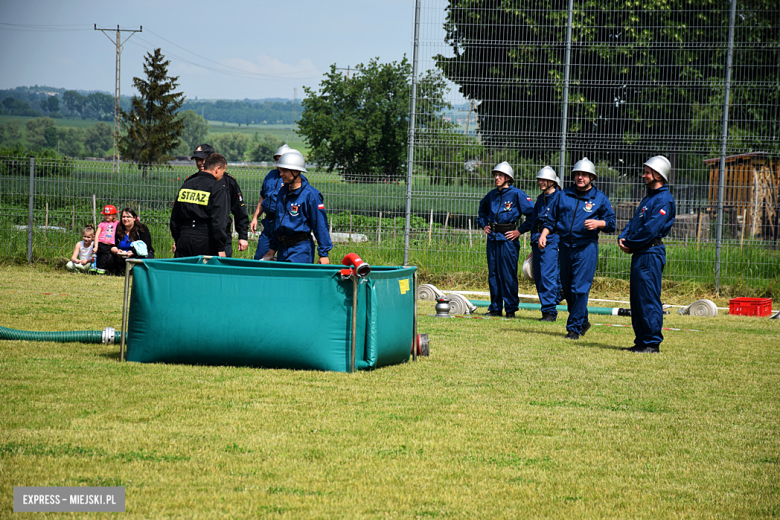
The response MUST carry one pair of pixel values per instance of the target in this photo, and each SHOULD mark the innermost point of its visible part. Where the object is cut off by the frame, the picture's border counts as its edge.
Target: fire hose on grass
(107, 336)
(356, 270)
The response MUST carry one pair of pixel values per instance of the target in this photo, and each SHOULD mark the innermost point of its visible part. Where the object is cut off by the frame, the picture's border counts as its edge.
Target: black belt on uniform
(502, 228)
(540, 227)
(656, 242)
(195, 224)
(295, 238)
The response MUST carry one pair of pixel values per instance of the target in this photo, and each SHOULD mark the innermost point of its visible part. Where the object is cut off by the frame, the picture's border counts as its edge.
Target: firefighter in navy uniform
(499, 212)
(201, 211)
(642, 239)
(300, 211)
(581, 212)
(272, 183)
(237, 207)
(547, 273)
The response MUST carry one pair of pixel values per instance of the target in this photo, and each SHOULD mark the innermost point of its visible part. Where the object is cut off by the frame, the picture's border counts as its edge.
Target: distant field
(283, 132)
(64, 121)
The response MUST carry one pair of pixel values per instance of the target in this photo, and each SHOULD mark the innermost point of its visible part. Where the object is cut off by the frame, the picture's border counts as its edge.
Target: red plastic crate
(750, 306)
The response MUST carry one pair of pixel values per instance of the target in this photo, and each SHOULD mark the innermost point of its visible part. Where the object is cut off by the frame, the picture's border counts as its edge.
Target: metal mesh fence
(617, 85)
(537, 83)
(68, 195)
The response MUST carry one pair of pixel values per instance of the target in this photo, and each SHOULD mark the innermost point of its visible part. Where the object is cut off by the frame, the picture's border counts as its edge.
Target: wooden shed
(750, 196)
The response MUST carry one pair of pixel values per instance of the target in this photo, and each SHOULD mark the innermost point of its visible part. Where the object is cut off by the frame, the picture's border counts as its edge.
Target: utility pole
(118, 43)
(472, 108)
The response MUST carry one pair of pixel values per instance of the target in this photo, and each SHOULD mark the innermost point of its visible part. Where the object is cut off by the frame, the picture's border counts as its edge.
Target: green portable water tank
(226, 311)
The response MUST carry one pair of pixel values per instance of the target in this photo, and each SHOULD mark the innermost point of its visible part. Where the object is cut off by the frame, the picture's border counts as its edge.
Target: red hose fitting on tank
(362, 269)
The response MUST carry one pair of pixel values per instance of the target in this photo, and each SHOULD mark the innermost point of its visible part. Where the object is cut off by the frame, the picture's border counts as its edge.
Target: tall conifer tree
(152, 128)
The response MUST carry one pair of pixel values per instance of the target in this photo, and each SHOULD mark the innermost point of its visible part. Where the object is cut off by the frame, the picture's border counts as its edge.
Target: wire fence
(534, 84)
(540, 83)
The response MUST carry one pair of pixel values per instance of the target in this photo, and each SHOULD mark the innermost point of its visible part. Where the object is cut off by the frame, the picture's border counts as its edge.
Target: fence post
(30, 219)
(430, 228)
(567, 67)
(723, 143)
(412, 113)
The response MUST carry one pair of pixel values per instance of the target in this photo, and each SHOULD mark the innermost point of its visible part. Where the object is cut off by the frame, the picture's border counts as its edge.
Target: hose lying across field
(611, 311)
(109, 335)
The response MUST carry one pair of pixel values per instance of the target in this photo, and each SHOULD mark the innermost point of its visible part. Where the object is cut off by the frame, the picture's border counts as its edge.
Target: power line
(41, 28)
(216, 62)
(241, 74)
(118, 43)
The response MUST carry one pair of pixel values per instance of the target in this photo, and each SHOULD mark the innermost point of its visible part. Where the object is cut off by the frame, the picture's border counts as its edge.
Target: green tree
(51, 137)
(71, 141)
(74, 101)
(36, 132)
(640, 68)
(152, 128)
(195, 129)
(360, 125)
(98, 139)
(52, 104)
(17, 107)
(262, 149)
(232, 146)
(99, 106)
(13, 132)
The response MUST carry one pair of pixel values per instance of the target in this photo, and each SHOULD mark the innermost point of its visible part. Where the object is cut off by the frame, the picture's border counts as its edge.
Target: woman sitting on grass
(130, 229)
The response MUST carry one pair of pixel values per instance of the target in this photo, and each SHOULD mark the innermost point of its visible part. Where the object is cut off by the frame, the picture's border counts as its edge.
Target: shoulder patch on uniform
(321, 206)
(662, 212)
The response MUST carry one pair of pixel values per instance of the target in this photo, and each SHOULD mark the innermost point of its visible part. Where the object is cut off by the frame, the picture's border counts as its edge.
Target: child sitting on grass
(83, 252)
(106, 239)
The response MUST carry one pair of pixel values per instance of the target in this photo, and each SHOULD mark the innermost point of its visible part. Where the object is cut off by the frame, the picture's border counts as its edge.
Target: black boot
(585, 329)
(547, 316)
(642, 349)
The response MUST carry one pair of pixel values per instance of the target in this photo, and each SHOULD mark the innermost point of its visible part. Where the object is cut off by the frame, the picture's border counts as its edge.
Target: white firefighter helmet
(548, 174)
(528, 267)
(282, 150)
(661, 165)
(503, 167)
(584, 165)
(292, 161)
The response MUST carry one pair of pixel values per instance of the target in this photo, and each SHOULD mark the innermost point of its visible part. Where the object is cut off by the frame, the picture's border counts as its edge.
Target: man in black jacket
(237, 206)
(199, 221)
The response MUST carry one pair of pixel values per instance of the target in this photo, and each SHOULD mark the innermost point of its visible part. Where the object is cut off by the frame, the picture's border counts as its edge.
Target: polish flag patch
(662, 212)
(321, 206)
(529, 199)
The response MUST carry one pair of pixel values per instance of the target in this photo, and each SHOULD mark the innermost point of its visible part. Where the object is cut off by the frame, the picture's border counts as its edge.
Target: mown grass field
(506, 419)
(283, 132)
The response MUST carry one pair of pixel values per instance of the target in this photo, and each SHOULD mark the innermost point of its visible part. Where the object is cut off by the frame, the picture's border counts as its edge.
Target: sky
(231, 49)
